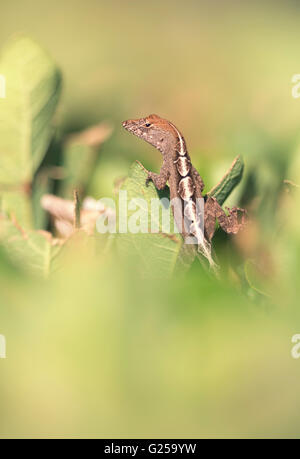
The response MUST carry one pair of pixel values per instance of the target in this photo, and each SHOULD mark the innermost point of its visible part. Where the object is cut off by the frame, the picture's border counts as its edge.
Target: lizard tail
(204, 246)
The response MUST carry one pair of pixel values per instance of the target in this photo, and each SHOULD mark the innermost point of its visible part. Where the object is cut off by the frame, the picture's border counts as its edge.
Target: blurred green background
(98, 350)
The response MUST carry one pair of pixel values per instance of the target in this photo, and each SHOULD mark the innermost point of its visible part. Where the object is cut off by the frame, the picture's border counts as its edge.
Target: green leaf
(33, 251)
(32, 91)
(230, 180)
(17, 204)
(159, 254)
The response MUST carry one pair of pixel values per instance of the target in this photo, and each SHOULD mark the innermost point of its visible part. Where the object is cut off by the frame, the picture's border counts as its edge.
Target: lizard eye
(148, 124)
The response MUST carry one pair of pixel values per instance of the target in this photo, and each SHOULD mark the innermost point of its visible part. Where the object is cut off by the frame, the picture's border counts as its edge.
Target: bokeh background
(98, 351)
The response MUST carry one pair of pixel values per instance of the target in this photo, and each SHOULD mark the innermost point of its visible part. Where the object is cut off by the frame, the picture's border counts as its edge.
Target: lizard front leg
(159, 180)
(229, 223)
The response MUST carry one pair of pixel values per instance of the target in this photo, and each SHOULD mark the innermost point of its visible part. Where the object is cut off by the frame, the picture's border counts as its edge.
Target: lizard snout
(130, 125)
(127, 125)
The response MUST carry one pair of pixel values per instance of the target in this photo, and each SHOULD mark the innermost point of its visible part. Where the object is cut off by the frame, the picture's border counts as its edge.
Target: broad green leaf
(32, 92)
(33, 251)
(230, 180)
(159, 254)
(17, 204)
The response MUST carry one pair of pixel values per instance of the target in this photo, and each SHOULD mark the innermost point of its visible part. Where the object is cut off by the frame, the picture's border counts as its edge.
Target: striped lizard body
(185, 184)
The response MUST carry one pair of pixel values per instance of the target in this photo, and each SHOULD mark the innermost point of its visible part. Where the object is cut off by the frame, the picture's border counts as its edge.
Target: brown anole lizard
(185, 183)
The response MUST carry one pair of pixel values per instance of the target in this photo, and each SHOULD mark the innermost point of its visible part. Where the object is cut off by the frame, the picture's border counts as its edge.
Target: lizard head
(155, 130)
